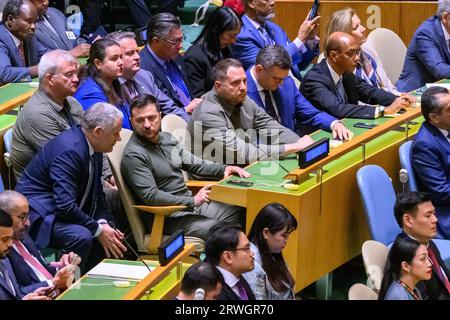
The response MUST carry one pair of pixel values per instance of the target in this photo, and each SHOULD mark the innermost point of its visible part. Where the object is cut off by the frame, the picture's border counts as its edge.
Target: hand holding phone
(314, 10)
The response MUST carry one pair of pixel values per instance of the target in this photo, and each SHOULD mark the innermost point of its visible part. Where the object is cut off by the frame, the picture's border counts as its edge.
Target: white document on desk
(437, 84)
(118, 271)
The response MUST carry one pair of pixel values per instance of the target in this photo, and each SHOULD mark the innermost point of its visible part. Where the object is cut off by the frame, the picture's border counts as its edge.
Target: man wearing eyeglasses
(332, 87)
(30, 268)
(161, 57)
(49, 111)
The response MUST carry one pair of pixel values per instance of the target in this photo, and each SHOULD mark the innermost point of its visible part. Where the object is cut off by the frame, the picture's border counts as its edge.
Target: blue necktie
(266, 36)
(178, 83)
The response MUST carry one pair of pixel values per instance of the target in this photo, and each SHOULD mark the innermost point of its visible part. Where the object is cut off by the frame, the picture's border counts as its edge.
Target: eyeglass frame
(22, 216)
(173, 42)
(240, 249)
(352, 56)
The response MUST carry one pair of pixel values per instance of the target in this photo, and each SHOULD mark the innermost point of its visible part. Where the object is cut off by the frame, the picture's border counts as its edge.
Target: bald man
(332, 87)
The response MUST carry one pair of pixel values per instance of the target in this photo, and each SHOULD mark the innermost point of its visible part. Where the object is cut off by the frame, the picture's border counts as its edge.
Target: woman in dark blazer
(212, 45)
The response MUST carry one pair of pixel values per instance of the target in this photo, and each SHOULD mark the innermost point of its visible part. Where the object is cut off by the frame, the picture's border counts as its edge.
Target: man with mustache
(18, 56)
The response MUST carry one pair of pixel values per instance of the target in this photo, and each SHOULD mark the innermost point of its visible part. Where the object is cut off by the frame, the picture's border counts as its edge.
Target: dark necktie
(129, 90)
(266, 36)
(241, 289)
(90, 182)
(68, 115)
(5, 275)
(341, 91)
(22, 53)
(270, 108)
(438, 270)
(178, 83)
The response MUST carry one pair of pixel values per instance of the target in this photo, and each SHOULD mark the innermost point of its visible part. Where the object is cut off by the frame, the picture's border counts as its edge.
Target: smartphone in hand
(314, 10)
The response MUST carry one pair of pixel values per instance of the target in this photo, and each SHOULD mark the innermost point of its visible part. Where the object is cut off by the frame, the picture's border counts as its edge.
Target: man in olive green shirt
(228, 127)
(49, 111)
(152, 165)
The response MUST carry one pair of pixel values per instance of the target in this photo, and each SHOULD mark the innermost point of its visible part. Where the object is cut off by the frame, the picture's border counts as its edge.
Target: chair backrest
(405, 161)
(374, 255)
(7, 139)
(115, 158)
(378, 198)
(360, 291)
(177, 127)
(390, 49)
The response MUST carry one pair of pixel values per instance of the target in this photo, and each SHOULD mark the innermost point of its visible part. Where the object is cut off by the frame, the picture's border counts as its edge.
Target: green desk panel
(13, 90)
(102, 289)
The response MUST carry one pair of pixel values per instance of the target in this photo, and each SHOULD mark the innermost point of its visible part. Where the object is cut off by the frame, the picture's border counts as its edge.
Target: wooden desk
(332, 224)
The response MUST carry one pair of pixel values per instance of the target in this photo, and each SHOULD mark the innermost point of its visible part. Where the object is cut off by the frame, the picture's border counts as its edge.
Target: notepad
(117, 271)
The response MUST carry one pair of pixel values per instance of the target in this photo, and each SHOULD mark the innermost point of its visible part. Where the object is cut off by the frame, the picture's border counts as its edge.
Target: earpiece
(199, 294)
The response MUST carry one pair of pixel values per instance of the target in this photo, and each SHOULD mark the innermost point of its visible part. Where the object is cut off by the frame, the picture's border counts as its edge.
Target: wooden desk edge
(15, 102)
(157, 275)
(356, 142)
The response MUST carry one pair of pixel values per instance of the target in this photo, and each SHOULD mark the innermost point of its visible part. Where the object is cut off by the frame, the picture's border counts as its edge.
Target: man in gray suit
(230, 128)
(135, 80)
(152, 165)
(49, 111)
(18, 57)
(52, 33)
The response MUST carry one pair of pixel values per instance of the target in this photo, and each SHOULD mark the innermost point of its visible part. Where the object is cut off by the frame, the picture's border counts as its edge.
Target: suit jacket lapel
(439, 137)
(3, 282)
(253, 92)
(441, 38)
(61, 30)
(10, 44)
(326, 72)
(256, 34)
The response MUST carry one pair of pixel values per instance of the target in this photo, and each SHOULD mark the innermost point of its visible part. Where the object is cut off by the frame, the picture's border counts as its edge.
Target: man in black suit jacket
(161, 57)
(415, 214)
(228, 249)
(29, 277)
(332, 87)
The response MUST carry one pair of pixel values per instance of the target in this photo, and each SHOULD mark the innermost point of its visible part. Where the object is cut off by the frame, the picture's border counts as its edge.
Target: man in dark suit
(228, 249)
(428, 56)
(63, 187)
(270, 86)
(161, 57)
(9, 290)
(430, 153)
(136, 81)
(332, 87)
(18, 55)
(415, 214)
(52, 33)
(258, 31)
(202, 281)
(30, 268)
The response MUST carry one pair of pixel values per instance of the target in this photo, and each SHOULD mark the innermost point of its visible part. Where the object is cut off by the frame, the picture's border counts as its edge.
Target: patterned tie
(4, 273)
(270, 108)
(438, 269)
(265, 35)
(22, 53)
(178, 83)
(32, 260)
(129, 90)
(241, 289)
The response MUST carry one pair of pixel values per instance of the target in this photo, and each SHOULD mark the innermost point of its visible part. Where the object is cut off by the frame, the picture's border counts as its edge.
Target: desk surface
(102, 289)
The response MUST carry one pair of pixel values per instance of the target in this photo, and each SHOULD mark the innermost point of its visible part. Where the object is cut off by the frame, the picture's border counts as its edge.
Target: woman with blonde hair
(369, 67)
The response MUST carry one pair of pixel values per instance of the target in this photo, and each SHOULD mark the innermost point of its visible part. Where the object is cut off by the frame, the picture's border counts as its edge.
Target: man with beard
(18, 56)
(152, 165)
(49, 111)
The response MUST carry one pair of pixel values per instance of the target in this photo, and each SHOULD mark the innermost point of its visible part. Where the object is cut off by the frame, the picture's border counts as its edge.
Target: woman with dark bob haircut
(271, 278)
(212, 45)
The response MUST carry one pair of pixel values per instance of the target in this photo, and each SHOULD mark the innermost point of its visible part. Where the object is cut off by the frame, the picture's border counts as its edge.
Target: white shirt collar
(256, 24)
(162, 62)
(91, 149)
(258, 86)
(444, 132)
(446, 35)
(334, 75)
(15, 39)
(228, 277)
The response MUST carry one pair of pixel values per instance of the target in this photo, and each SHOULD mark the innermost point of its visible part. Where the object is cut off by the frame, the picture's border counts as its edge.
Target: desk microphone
(112, 225)
(403, 177)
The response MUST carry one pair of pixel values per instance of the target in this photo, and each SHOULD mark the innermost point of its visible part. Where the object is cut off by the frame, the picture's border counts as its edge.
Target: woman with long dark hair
(407, 264)
(212, 45)
(271, 278)
(98, 78)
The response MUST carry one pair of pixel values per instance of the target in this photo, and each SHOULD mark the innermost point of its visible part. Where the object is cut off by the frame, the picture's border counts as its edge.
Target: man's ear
(227, 257)
(433, 118)
(10, 20)
(217, 85)
(97, 130)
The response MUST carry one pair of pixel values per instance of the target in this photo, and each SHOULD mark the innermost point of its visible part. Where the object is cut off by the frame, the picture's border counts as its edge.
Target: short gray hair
(443, 6)
(274, 55)
(221, 68)
(101, 114)
(51, 61)
(8, 199)
(161, 25)
(118, 36)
